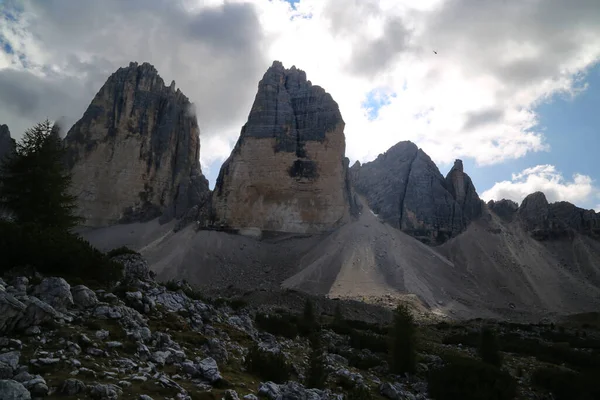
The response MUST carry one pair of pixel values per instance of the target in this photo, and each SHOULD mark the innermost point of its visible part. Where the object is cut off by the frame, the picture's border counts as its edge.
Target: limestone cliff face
(287, 171)
(134, 154)
(406, 189)
(547, 221)
(7, 144)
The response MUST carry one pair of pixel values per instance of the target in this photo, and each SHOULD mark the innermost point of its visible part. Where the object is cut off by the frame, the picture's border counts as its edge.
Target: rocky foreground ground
(145, 340)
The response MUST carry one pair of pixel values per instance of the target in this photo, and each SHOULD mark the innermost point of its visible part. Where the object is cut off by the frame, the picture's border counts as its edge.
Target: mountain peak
(139, 141)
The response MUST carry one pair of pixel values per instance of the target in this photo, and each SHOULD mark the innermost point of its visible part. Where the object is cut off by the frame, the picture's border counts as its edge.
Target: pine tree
(403, 341)
(489, 350)
(309, 312)
(316, 376)
(308, 324)
(338, 316)
(35, 182)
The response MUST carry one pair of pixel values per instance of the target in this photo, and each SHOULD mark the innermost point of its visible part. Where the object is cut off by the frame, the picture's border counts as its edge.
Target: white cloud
(544, 178)
(475, 99)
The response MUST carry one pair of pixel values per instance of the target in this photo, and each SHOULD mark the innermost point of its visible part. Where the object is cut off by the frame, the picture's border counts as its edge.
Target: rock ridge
(549, 221)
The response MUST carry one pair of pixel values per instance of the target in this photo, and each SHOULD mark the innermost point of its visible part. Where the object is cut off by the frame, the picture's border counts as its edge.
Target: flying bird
(435, 52)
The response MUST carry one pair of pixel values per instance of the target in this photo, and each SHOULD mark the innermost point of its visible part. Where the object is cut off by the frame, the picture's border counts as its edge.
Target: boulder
(12, 390)
(209, 370)
(56, 292)
(83, 297)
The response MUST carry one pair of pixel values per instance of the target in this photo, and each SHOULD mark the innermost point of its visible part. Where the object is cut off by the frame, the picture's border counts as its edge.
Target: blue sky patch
(376, 99)
(293, 3)
(571, 127)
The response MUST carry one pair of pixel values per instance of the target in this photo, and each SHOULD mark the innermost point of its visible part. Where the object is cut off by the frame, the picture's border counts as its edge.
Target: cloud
(496, 62)
(214, 52)
(546, 179)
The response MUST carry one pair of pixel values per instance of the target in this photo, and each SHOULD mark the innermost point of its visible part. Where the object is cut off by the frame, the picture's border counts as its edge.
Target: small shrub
(359, 392)
(466, 339)
(268, 366)
(119, 251)
(567, 385)
(366, 340)
(468, 379)
(237, 303)
(403, 342)
(489, 349)
(278, 324)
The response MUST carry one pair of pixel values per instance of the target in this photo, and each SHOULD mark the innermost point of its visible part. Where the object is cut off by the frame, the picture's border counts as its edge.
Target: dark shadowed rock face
(290, 109)
(505, 209)
(135, 152)
(7, 144)
(287, 171)
(462, 189)
(557, 220)
(405, 188)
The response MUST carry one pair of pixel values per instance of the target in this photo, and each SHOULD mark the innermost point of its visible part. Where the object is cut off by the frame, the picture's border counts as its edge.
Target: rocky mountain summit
(7, 143)
(135, 152)
(287, 172)
(406, 189)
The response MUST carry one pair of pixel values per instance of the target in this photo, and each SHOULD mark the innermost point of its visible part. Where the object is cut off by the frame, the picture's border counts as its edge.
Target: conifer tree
(35, 181)
(403, 341)
(317, 375)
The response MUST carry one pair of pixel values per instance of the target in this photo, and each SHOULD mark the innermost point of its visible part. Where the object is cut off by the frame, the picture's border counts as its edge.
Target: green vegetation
(269, 366)
(367, 340)
(403, 342)
(53, 251)
(285, 325)
(567, 385)
(308, 324)
(316, 376)
(553, 353)
(35, 190)
(119, 251)
(359, 392)
(35, 182)
(469, 379)
(488, 347)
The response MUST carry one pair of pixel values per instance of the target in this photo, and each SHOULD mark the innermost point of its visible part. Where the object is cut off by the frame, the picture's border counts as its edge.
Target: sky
(513, 90)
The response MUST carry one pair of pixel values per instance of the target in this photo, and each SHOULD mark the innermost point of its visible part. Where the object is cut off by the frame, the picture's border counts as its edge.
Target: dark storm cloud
(371, 57)
(211, 53)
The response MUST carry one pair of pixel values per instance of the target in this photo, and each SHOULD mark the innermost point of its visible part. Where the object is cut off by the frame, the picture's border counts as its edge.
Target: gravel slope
(492, 270)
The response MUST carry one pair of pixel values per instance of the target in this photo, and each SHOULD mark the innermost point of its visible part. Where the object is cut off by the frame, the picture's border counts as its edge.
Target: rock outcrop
(404, 187)
(557, 220)
(505, 209)
(7, 143)
(135, 152)
(462, 189)
(287, 172)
